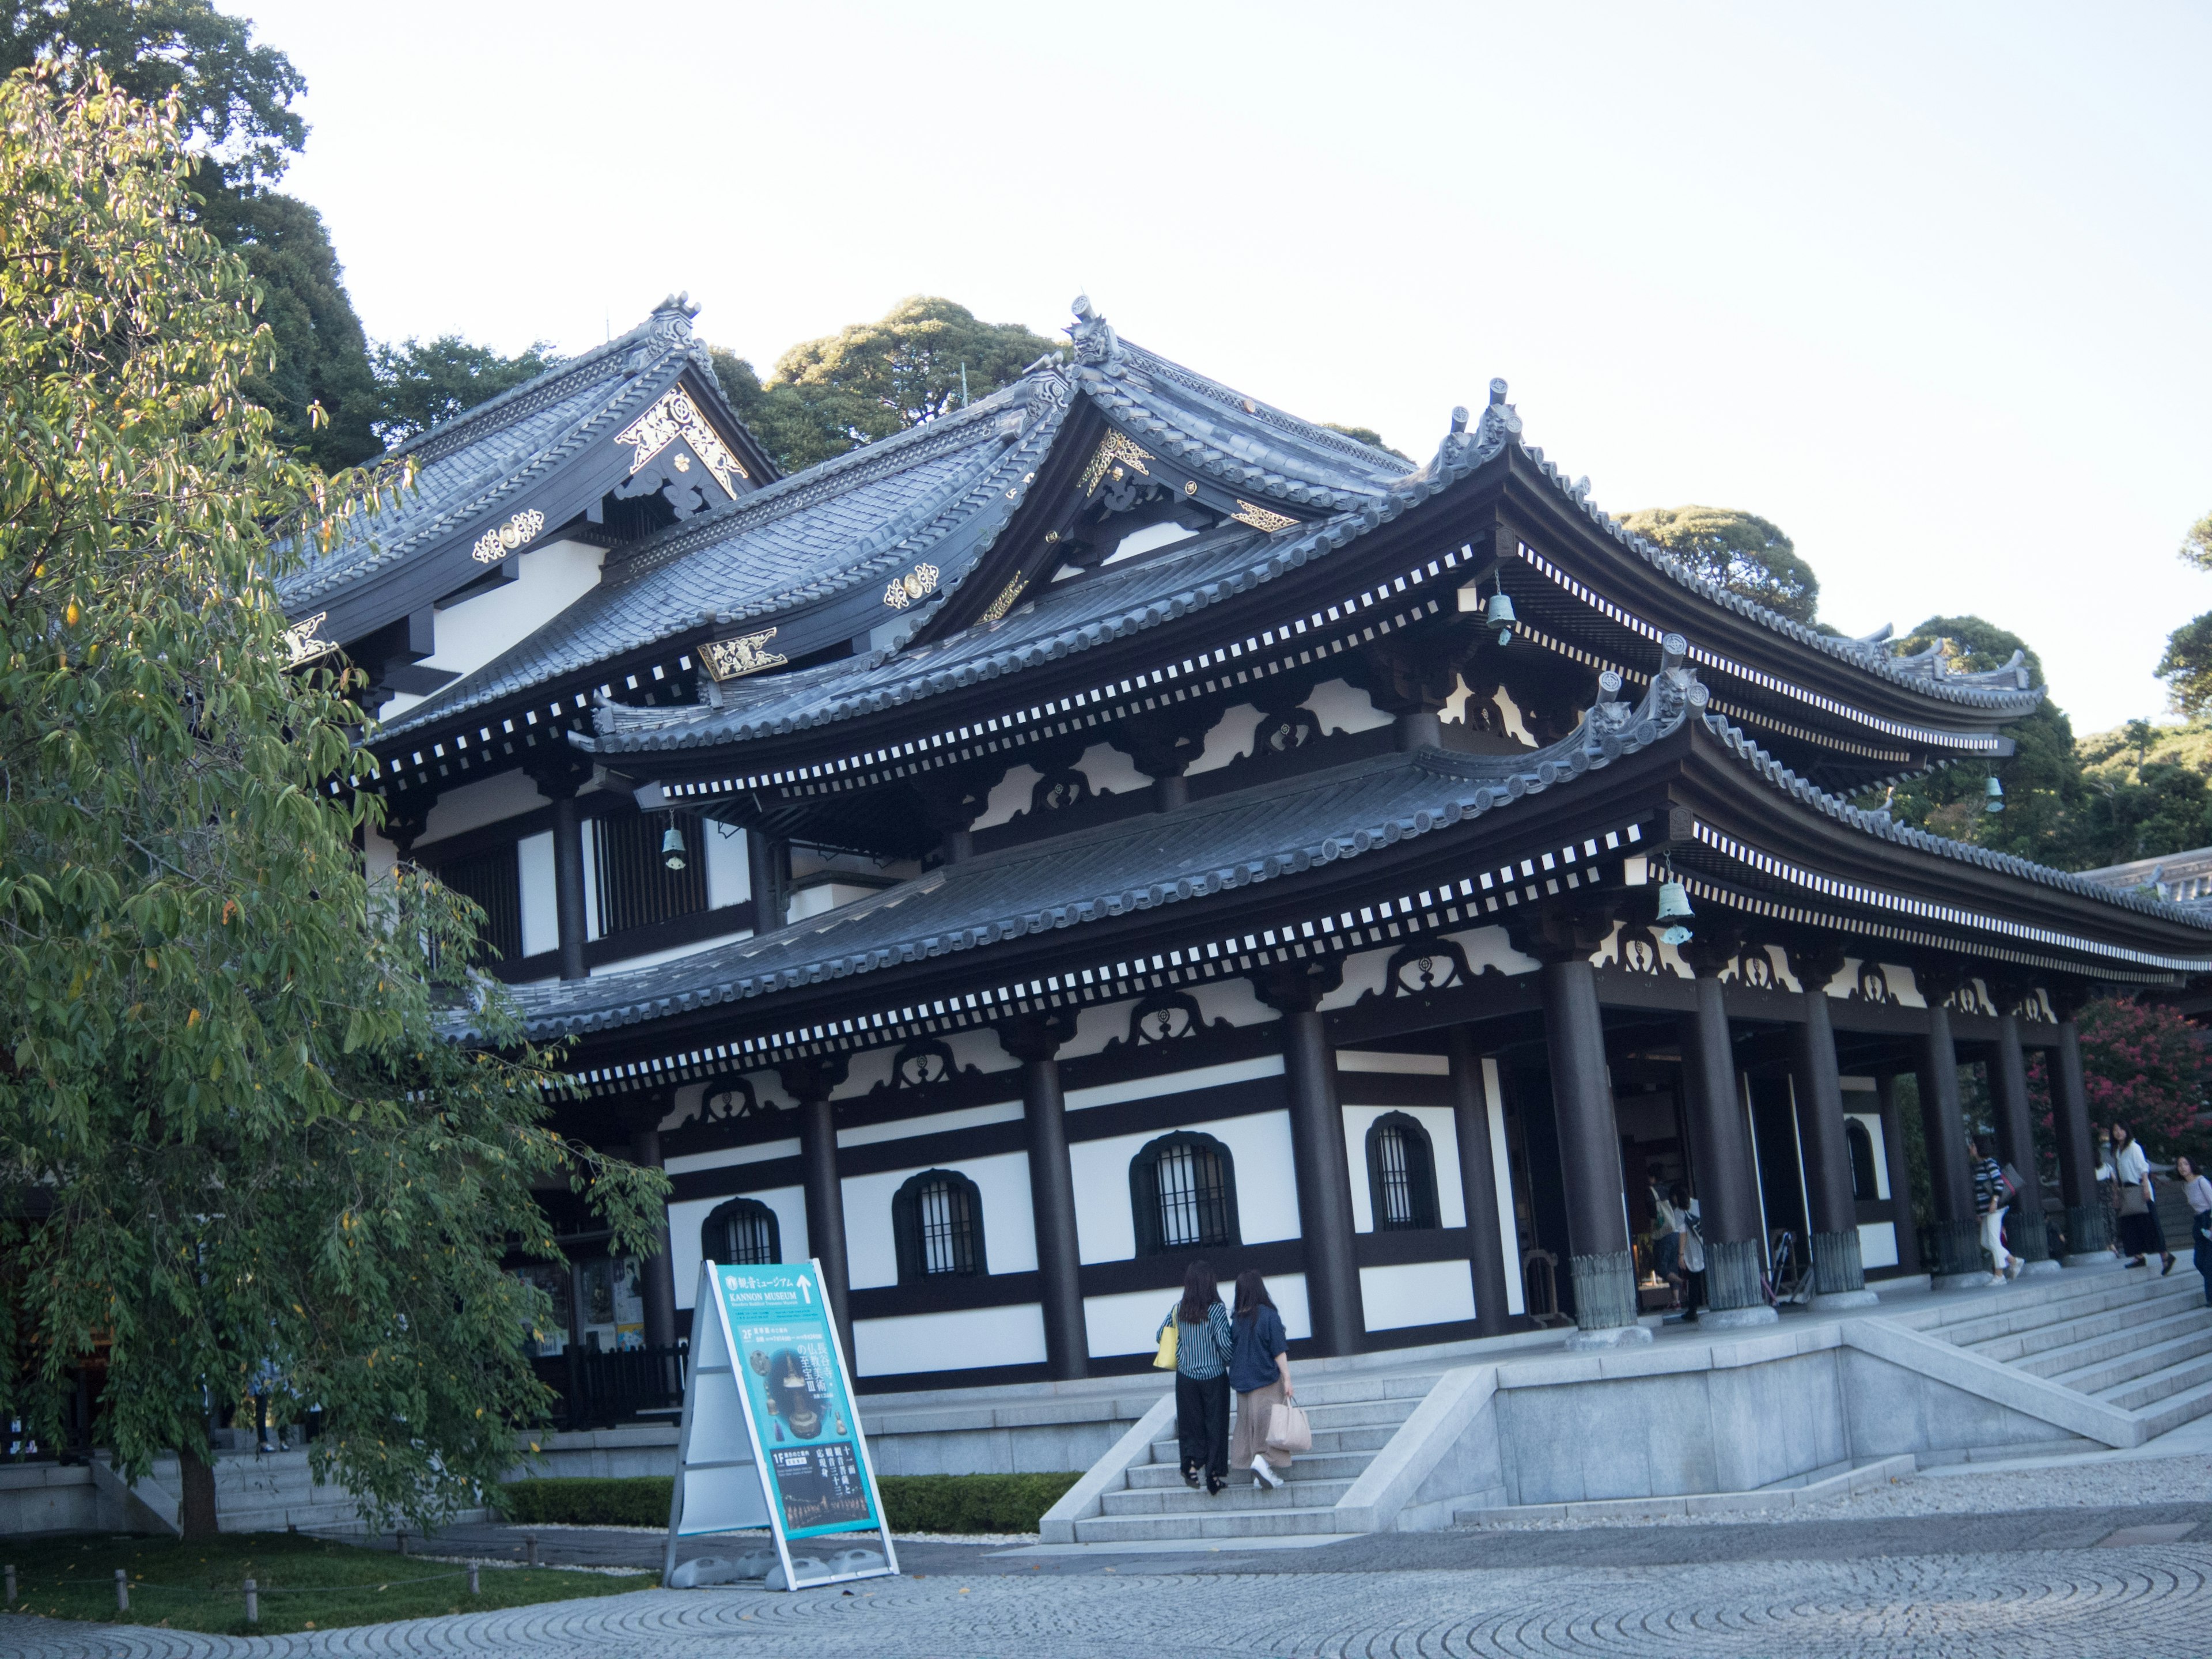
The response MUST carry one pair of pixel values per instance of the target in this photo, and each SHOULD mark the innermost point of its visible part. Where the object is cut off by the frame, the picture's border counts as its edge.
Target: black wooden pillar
(1839, 1277)
(1958, 1233)
(768, 872)
(1900, 1174)
(2089, 1225)
(809, 1082)
(1324, 1176)
(656, 1273)
(568, 885)
(1478, 1182)
(1727, 1171)
(1600, 1267)
(1035, 1040)
(2024, 1230)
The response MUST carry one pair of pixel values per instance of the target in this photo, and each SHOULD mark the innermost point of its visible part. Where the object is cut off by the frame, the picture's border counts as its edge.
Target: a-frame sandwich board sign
(770, 1437)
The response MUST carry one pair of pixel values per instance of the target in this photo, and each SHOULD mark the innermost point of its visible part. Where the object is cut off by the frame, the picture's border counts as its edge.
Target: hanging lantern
(672, 847)
(1675, 907)
(1993, 795)
(1500, 617)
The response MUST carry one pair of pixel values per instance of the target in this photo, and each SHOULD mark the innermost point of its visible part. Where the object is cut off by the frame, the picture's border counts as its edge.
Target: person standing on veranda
(2197, 1189)
(1990, 1202)
(1259, 1371)
(1202, 1349)
(2139, 1229)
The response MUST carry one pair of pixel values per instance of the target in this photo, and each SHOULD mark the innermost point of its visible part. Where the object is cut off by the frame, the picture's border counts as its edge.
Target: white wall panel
(723, 1157)
(1871, 1122)
(1009, 1225)
(729, 878)
(1128, 1323)
(488, 800)
(1443, 1140)
(686, 1218)
(870, 1134)
(1501, 1171)
(1416, 1293)
(950, 1341)
(1877, 1244)
(1267, 1188)
(1175, 1083)
(541, 912)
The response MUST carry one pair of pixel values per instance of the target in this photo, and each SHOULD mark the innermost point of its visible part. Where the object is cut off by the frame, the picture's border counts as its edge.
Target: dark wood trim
(944, 1293)
(611, 948)
(1405, 1247)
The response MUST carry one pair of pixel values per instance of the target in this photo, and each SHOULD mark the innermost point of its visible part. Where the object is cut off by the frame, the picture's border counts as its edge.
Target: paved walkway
(2076, 1583)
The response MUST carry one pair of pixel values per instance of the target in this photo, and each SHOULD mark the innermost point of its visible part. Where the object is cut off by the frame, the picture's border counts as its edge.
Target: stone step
(1347, 1414)
(1238, 1495)
(1345, 1466)
(1372, 1438)
(2031, 1308)
(1206, 1526)
(2159, 1385)
(2172, 1412)
(2108, 1361)
(2027, 1346)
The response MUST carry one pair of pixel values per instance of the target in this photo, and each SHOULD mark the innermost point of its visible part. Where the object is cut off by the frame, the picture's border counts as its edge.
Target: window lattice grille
(1398, 1204)
(946, 1220)
(1193, 1198)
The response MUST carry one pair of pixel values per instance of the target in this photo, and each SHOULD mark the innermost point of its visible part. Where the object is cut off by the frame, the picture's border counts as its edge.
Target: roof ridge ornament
(1095, 342)
(1500, 425)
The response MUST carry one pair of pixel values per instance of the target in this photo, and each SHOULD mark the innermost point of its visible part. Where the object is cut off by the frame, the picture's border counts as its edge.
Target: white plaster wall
(1266, 1188)
(950, 1341)
(1166, 533)
(488, 800)
(1010, 796)
(380, 856)
(1232, 1000)
(1175, 1083)
(541, 912)
(729, 1157)
(1097, 1026)
(1877, 1244)
(652, 958)
(1363, 975)
(1443, 1140)
(1489, 947)
(591, 838)
(1416, 1293)
(1109, 771)
(1009, 1225)
(684, 1220)
(1340, 707)
(549, 580)
(1229, 738)
(1383, 1060)
(869, 1134)
(729, 880)
(825, 897)
(1129, 1322)
(1872, 1123)
(1501, 1171)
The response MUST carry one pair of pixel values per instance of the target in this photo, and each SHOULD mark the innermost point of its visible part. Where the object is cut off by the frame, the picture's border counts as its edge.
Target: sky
(1911, 282)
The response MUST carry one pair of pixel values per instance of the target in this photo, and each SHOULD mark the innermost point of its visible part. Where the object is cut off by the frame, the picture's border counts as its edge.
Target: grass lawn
(304, 1583)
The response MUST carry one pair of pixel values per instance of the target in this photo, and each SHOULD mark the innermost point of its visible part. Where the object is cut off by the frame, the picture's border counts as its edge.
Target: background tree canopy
(420, 383)
(1741, 551)
(871, 380)
(238, 1150)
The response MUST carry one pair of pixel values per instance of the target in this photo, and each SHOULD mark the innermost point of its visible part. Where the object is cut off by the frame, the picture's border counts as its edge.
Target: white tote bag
(1288, 1431)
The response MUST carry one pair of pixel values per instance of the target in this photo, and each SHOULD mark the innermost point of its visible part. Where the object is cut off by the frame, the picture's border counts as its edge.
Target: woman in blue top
(1259, 1371)
(1202, 1344)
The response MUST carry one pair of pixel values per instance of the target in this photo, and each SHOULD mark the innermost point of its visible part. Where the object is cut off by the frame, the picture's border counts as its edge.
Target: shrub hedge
(913, 1502)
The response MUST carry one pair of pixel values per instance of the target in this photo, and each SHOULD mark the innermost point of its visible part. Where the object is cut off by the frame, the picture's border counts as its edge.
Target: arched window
(741, 1233)
(936, 1218)
(1182, 1191)
(1863, 1184)
(1401, 1173)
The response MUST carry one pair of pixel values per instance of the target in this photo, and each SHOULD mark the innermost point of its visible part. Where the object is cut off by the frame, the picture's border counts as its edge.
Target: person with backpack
(1259, 1371)
(1203, 1347)
(2141, 1237)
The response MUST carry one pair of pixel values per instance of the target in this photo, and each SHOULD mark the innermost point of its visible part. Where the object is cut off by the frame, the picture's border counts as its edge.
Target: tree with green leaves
(420, 383)
(238, 1153)
(1741, 551)
(2186, 667)
(867, 381)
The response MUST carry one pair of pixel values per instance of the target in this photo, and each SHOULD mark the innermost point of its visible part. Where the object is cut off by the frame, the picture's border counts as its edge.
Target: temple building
(1120, 821)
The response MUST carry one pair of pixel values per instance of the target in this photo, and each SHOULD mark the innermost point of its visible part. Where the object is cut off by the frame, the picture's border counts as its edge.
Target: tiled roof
(843, 525)
(468, 470)
(1233, 840)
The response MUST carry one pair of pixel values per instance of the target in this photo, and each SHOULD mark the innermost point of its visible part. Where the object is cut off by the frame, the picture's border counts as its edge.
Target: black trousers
(1202, 1424)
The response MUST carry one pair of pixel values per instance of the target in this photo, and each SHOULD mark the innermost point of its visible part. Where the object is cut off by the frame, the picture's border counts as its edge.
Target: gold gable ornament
(1260, 519)
(301, 644)
(1113, 449)
(903, 591)
(732, 660)
(518, 531)
(675, 415)
(996, 611)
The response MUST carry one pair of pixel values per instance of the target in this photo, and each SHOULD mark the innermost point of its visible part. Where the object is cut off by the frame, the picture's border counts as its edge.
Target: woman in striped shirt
(1203, 1342)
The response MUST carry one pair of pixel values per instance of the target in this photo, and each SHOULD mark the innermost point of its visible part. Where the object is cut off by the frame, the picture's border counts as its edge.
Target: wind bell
(672, 847)
(1993, 795)
(1675, 907)
(1498, 615)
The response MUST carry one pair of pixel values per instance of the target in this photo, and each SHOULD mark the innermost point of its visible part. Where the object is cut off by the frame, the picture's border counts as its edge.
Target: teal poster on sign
(770, 1438)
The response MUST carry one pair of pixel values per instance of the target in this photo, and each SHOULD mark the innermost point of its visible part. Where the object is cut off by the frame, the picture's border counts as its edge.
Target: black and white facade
(1116, 823)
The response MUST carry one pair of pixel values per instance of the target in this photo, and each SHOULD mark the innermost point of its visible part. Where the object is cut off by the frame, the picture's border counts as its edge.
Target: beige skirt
(1249, 1439)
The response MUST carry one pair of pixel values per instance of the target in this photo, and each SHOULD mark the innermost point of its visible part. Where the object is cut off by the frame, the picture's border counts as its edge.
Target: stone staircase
(2136, 1342)
(1354, 1418)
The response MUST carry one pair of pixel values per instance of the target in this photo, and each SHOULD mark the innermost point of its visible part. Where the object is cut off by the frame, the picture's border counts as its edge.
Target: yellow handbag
(1165, 1358)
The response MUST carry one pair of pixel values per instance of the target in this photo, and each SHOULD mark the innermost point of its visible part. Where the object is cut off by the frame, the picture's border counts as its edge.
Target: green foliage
(1368, 435)
(871, 379)
(2197, 545)
(971, 1503)
(236, 1151)
(320, 357)
(304, 1583)
(420, 383)
(912, 1503)
(2186, 667)
(1741, 551)
(639, 1500)
(234, 98)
